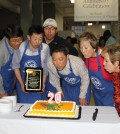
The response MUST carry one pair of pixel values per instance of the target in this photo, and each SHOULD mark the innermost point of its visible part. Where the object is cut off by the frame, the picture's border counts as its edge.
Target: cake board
(77, 116)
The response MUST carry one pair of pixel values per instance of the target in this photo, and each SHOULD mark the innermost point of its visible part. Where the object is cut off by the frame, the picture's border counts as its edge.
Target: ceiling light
(90, 24)
(72, 1)
(103, 26)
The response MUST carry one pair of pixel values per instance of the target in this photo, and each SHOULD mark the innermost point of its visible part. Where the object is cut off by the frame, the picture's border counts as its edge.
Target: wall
(59, 19)
(97, 30)
(8, 17)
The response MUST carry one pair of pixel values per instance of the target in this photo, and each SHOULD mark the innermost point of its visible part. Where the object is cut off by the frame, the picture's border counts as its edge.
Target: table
(107, 122)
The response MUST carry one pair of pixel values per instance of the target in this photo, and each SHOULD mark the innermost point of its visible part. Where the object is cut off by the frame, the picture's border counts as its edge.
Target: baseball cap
(50, 22)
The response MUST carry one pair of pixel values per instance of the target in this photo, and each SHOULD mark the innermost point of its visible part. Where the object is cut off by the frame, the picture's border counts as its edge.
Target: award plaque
(33, 79)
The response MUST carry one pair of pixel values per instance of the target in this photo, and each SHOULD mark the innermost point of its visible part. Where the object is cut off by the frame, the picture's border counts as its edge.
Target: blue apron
(8, 75)
(71, 86)
(28, 61)
(49, 86)
(102, 89)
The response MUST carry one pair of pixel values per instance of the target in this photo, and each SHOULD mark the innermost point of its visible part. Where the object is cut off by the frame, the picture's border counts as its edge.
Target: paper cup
(5, 105)
(12, 98)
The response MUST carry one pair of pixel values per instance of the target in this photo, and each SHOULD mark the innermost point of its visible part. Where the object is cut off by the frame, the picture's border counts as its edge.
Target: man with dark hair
(13, 37)
(51, 38)
(33, 54)
(68, 75)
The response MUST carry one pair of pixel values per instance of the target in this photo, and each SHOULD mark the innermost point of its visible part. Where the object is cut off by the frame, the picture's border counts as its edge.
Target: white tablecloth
(107, 122)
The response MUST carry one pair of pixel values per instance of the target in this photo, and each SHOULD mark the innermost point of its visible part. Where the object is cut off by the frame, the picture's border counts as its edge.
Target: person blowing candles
(68, 74)
(111, 56)
(101, 84)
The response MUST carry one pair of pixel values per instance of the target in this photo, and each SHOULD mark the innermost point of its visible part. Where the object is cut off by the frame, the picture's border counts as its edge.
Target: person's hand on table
(3, 94)
(83, 101)
(23, 88)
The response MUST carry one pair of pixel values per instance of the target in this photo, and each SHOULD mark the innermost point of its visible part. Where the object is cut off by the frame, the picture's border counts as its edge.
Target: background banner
(96, 10)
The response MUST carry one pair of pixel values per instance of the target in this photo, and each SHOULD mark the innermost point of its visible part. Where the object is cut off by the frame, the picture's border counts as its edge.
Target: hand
(3, 94)
(43, 87)
(83, 101)
(23, 88)
(62, 94)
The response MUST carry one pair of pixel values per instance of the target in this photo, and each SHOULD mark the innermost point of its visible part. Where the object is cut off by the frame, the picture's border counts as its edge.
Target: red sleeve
(94, 66)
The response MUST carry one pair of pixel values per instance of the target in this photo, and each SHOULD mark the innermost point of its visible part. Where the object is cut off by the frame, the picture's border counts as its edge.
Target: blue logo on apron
(30, 63)
(97, 83)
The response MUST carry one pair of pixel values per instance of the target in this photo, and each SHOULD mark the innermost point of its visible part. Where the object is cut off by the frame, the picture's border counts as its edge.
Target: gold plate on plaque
(33, 79)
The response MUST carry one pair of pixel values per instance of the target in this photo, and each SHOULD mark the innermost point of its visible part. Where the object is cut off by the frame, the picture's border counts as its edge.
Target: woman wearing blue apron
(8, 74)
(70, 85)
(102, 89)
(101, 84)
(30, 97)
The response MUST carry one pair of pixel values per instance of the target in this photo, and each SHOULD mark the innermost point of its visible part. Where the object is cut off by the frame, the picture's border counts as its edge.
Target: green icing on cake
(53, 106)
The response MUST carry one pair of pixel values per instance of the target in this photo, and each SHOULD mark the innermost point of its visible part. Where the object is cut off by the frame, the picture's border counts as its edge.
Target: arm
(3, 60)
(84, 84)
(16, 65)
(45, 54)
(19, 78)
(80, 69)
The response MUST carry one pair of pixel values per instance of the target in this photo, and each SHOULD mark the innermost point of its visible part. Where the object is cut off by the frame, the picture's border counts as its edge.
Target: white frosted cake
(45, 109)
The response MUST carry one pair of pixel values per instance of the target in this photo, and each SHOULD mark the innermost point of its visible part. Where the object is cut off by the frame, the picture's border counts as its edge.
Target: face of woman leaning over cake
(86, 49)
(109, 66)
(59, 60)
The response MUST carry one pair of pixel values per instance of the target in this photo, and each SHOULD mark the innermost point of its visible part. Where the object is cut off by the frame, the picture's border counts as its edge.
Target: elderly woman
(101, 84)
(111, 56)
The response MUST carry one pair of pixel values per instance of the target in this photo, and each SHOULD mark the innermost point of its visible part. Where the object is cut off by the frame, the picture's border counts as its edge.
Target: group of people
(63, 70)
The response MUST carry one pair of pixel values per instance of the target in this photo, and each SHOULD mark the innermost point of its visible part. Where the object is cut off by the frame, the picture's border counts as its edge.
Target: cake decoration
(56, 96)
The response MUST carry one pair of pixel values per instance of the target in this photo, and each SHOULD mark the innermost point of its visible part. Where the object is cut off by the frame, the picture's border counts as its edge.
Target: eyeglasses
(50, 28)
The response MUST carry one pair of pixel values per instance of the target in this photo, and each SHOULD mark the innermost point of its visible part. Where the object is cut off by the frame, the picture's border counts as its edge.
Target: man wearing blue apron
(29, 61)
(102, 89)
(32, 54)
(11, 41)
(66, 76)
(71, 86)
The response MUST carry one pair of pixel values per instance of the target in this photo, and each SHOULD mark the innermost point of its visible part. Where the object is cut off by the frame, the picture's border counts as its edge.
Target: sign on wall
(96, 10)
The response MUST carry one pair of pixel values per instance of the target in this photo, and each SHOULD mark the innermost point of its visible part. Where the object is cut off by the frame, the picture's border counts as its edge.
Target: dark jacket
(60, 40)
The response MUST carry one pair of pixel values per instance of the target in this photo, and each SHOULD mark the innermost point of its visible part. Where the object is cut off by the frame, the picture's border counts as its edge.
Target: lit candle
(58, 97)
(51, 97)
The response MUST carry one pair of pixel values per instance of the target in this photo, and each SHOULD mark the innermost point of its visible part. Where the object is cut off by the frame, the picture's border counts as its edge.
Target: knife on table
(95, 114)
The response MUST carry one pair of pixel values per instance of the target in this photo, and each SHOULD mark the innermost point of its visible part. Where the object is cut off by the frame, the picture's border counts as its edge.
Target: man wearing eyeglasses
(13, 37)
